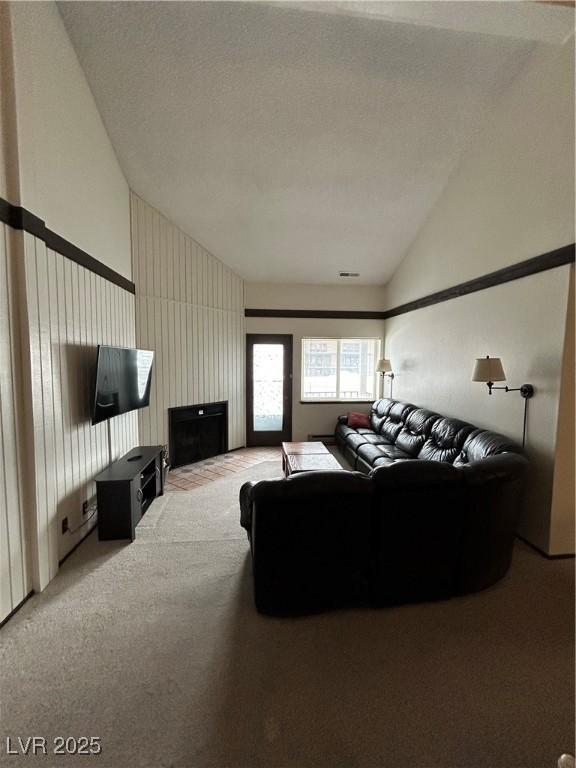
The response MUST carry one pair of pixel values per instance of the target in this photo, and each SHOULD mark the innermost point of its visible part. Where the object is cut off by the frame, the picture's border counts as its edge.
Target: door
(268, 389)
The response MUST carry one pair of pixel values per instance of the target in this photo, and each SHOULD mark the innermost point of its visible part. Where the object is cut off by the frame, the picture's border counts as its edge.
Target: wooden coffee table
(306, 457)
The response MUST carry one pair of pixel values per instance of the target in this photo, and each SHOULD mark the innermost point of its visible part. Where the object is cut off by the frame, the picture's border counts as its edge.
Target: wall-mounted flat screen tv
(123, 378)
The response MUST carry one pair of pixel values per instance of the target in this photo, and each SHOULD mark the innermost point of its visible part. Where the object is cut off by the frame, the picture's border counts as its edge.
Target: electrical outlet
(85, 507)
(64, 525)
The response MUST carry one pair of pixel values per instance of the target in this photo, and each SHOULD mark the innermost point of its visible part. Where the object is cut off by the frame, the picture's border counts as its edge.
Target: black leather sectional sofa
(402, 432)
(430, 514)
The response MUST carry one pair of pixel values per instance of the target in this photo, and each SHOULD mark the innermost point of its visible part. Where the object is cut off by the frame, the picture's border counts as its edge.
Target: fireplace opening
(197, 432)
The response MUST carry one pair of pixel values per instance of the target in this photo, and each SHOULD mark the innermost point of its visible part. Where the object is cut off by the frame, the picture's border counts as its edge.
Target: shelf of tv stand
(125, 491)
(145, 479)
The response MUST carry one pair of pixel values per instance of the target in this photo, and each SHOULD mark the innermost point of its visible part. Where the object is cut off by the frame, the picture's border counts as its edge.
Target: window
(339, 369)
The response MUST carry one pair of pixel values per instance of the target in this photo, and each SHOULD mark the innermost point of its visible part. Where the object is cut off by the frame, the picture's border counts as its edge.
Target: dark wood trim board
(19, 218)
(319, 313)
(546, 261)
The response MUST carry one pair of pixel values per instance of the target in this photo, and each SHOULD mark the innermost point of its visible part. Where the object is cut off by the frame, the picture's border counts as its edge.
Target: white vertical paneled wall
(190, 311)
(70, 311)
(15, 568)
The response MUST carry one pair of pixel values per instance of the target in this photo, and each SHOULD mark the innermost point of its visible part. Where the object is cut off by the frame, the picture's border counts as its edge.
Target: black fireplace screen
(197, 432)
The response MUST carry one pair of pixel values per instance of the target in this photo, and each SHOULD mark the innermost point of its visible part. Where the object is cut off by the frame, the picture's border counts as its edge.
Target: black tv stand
(126, 489)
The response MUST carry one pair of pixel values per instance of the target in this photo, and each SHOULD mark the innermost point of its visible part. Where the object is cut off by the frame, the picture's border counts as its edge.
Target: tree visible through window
(339, 369)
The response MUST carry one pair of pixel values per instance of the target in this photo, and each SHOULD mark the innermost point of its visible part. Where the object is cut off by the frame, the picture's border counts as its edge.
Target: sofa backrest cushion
(414, 474)
(379, 411)
(446, 440)
(417, 526)
(481, 443)
(394, 421)
(306, 485)
(416, 430)
(310, 538)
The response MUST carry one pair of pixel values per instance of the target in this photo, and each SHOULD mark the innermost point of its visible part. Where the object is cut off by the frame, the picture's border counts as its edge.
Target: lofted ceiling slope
(292, 144)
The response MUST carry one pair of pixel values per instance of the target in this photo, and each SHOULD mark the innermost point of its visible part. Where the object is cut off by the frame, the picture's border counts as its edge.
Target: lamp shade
(383, 366)
(488, 369)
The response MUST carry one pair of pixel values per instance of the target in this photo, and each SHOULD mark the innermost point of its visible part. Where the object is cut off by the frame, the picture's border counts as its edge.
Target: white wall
(511, 198)
(512, 195)
(9, 186)
(190, 311)
(563, 492)
(56, 161)
(69, 174)
(314, 418)
(347, 296)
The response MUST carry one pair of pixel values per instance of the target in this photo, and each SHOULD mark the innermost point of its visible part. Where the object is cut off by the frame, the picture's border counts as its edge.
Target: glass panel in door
(268, 387)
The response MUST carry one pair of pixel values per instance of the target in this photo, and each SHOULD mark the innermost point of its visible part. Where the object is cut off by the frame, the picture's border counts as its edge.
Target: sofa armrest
(492, 508)
(246, 504)
(343, 419)
(499, 467)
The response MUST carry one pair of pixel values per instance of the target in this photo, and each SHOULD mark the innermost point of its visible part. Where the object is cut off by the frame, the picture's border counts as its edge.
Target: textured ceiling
(541, 21)
(291, 144)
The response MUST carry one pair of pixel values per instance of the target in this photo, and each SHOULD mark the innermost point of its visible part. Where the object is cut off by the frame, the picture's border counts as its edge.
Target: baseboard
(541, 551)
(29, 595)
(20, 604)
(75, 547)
(327, 439)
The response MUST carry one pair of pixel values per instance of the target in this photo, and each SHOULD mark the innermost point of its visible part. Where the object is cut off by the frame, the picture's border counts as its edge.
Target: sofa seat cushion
(374, 439)
(393, 452)
(370, 452)
(384, 461)
(355, 440)
(447, 438)
(342, 430)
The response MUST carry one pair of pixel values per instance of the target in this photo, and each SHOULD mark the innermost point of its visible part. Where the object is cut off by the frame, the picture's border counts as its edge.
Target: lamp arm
(526, 390)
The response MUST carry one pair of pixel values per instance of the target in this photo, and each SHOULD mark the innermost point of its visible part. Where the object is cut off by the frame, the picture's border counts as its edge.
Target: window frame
(339, 339)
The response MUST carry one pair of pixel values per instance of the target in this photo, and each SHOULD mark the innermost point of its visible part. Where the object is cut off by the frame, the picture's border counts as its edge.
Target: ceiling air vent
(348, 274)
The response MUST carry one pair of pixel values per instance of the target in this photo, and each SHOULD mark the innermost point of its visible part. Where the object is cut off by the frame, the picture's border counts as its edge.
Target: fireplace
(197, 432)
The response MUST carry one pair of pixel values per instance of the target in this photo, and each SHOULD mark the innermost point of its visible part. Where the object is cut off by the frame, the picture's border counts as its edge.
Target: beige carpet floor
(155, 647)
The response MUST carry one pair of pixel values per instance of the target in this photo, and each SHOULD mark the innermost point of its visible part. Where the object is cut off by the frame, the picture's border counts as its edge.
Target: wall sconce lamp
(489, 369)
(384, 368)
